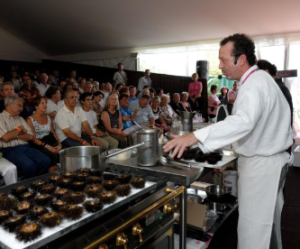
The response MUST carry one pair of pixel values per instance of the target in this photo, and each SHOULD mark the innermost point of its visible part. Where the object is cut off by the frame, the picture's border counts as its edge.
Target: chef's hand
(180, 143)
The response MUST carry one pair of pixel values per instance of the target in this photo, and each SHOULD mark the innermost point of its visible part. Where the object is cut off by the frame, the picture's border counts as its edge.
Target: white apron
(258, 191)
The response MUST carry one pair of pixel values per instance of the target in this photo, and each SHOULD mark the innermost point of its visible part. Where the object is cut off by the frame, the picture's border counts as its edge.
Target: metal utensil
(123, 150)
(164, 161)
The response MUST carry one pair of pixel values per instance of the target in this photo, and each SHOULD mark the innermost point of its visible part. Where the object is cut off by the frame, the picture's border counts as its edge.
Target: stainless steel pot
(147, 155)
(92, 157)
(187, 120)
(217, 193)
(219, 208)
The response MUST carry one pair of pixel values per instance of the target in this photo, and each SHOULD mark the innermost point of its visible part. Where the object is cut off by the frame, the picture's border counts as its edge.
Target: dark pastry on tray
(94, 180)
(28, 232)
(72, 212)
(93, 206)
(108, 176)
(138, 182)
(200, 158)
(68, 174)
(123, 178)
(51, 219)
(78, 185)
(110, 184)
(54, 179)
(48, 189)
(74, 197)
(43, 199)
(60, 192)
(84, 170)
(122, 190)
(4, 215)
(17, 191)
(81, 177)
(216, 155)
(58, 204)
(37, 185)
(212, 160)
(93, 190)
(27, 196)
(23, 207)
(64, 182)
(36, 212)
(107, 197)
(12, 223)
(8, 202)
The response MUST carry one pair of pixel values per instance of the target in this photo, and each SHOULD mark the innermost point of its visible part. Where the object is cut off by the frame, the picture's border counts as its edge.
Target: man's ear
(242, 59)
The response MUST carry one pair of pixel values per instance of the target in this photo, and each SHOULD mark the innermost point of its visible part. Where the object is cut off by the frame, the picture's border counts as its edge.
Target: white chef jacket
(260, 124)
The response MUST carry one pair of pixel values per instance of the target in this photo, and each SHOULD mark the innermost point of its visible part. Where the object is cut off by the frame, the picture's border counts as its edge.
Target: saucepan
(217, 193)
(92, 157)
(219, 208)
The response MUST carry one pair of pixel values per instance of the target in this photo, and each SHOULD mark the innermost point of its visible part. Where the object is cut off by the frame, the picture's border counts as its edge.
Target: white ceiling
(59, 27)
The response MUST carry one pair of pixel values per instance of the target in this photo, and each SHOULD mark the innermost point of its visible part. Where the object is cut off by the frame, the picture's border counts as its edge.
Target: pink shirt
(194, 88)
(213, 101)
(232, 94)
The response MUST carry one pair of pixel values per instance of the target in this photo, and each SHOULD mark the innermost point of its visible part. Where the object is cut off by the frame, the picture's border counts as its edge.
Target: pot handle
(123, 150)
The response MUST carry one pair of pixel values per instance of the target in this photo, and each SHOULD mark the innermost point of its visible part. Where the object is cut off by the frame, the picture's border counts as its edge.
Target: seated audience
(43, 86)
(112, 120)
(166, 113)
(8, 171)
(159, 121)
(15, 79)
(175, 104)
(144, 116)
(184, 104)
(44, 137)
(14, 137)
(152, 94)
(54, 77)
(119, 86)
(81, 84)
(53, 96)
(87, 87)
(97, 97)
(95, 86)
(108, 90)
(132, 91)
(69, 122)
(107, 142)
(213, 102)
(159, 92)
(6, 90)
(223, 96)
(127, 115)
(124, 90)
(61, 85)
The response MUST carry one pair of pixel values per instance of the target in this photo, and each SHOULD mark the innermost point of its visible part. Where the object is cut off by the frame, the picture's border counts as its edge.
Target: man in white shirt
(53, 96)
(144, 81)
(260, 132)
(120, 76)
(43, 86)
(108, 90)
(69, 122)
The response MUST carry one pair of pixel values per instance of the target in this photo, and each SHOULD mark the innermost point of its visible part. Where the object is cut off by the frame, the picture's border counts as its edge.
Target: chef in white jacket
(260, 132)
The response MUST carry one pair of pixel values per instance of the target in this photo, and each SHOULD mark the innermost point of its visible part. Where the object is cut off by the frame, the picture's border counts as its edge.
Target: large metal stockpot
(147, 155)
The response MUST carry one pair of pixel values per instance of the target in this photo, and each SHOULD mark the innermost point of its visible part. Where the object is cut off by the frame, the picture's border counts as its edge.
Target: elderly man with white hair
(43, 86)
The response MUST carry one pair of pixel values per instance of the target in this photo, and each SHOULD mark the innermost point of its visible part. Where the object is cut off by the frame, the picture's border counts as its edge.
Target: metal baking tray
(9, 241)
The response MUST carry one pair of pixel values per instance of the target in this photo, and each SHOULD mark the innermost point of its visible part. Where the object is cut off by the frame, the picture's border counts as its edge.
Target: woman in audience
(223, 96)
(53, 96)
(124, 90)
(42, 128)
(166, 112)
(81, 83)
(175, 104)
(97, 97)
(112, 120)
(213, 102)
(159, 92)
(184, 104)
(159, 121)
(195, 90)
(107, 142)
(119, 86)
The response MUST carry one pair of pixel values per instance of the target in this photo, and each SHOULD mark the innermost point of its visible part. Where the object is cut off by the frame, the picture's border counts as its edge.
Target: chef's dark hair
(242, 44)
(266, 65)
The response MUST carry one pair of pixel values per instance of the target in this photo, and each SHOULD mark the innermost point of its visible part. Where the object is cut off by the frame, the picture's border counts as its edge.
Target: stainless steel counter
(182, 177)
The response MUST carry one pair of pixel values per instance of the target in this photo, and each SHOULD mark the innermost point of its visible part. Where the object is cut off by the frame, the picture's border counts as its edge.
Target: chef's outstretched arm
(180, 143)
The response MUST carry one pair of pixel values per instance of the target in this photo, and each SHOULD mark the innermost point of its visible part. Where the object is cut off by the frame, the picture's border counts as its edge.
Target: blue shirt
(133, 99)
(127, 113)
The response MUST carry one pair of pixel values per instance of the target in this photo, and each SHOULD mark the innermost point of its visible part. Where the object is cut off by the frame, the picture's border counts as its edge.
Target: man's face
(27, 81)
(108, 87)
(124, 102)
(176, 98)
(132, 91)
(8, 91)
(44, 79)
(88, 102)
(229, 69)
(147, 73)
(121, 67)
(143, 102)
(57, 96)
(71, 99)
(87, 88)
(73, 74)
(16, 107)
